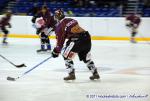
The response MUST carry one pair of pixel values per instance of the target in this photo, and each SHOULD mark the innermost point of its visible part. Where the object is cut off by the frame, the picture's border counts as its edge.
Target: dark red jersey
(5, 21)
(134, 19)
(48, 18)
(63, 31)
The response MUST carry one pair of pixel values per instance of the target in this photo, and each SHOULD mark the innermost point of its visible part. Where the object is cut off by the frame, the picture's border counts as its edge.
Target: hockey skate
(95, 75)
(41, 51)
(4, 43)
(48, 50)
(133, 41)
(71, 76)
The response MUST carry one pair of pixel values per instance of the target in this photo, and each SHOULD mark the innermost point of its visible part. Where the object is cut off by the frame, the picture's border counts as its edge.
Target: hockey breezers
(14, 79)
(18, 66)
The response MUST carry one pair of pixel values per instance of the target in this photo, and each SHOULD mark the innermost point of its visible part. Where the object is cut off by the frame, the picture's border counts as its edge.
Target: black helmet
(59, 14)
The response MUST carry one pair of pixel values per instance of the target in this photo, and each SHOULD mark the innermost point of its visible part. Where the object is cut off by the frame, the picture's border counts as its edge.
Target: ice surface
(124, 69)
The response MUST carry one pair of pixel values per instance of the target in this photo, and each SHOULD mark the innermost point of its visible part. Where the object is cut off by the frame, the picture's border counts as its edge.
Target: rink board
(93, 37)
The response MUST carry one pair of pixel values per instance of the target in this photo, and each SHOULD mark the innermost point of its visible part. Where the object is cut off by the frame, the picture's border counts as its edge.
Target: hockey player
(3, 23)
(133, 22)
(79, 42)
(46, 25)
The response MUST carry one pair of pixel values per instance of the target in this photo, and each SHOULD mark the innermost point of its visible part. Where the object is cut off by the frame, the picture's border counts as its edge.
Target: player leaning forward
(132, 22)
(79, 41)
(4, 22)
(44, 23)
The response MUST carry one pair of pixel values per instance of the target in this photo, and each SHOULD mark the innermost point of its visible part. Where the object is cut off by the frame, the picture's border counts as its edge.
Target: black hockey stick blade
(11, 79)
(22, 65)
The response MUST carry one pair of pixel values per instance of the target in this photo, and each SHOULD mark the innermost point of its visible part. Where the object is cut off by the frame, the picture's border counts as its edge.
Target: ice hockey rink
(124, 69)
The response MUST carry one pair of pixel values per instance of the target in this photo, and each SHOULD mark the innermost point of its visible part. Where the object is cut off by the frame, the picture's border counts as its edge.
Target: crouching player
(44, 24)
(132, 23)
(79, 42)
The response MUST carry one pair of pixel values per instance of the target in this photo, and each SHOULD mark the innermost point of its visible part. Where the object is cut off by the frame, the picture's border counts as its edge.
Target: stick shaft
(7, 60)
(35, 66)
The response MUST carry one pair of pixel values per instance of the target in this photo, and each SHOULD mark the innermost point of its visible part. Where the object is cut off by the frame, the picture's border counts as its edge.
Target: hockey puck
(10, 79)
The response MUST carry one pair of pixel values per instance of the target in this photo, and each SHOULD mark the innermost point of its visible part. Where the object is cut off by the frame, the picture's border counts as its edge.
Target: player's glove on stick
(55, 53)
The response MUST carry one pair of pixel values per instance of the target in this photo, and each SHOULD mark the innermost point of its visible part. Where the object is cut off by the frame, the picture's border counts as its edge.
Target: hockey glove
(9, 25)
(33, 19)
(55, 53)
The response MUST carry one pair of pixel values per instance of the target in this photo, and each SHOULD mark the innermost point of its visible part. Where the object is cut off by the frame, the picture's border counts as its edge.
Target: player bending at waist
(4, 22)
(79, 42)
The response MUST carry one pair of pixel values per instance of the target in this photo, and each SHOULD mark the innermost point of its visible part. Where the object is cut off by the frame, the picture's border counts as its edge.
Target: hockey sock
(133, 34)
(48, 46)
(70, 65)
(91, 66)
(47, 41)
(42, 46)
(4, 39)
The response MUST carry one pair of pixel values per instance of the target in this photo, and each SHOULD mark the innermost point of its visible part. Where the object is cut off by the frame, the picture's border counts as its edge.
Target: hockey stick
(14, 79)
(18, 66)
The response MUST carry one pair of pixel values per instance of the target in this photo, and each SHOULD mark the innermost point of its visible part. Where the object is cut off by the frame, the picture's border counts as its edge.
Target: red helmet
(59, 14)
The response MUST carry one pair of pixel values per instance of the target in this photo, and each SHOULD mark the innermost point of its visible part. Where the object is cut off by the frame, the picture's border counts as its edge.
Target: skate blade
(69, 81)
(44, 52)
(96, 80)
(41, 52)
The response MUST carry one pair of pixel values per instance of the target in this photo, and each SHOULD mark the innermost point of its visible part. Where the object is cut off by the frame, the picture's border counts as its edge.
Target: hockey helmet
(44, 8)
(9, 13)
(59, 14)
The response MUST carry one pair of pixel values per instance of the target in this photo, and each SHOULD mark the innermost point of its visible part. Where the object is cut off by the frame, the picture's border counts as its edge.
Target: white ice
(124, 69)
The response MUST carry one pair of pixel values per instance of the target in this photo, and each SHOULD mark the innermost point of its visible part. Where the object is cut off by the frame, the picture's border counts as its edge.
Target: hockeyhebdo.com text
(116, 96)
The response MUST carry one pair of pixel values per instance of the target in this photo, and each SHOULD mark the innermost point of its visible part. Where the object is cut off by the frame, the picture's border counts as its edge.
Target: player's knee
(69, 55)
(87, 57)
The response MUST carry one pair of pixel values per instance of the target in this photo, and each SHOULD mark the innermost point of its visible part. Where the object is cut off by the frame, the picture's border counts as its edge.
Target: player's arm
(35, 17)
(60, 38)
(136, 25)
(128, 22)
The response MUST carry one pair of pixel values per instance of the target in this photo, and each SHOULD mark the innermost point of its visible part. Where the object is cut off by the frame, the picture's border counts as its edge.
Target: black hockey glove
(33, 19)
(55, 54)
